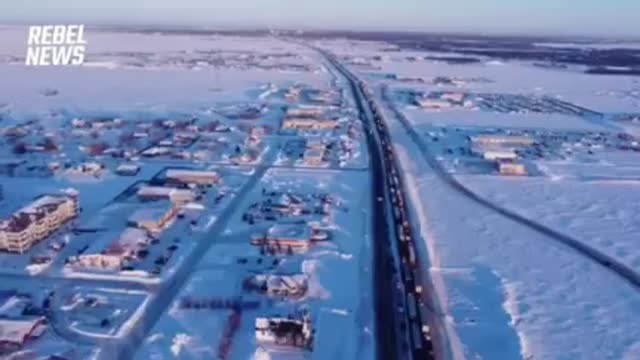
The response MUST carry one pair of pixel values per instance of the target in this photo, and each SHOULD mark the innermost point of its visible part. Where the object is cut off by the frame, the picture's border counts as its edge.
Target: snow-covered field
(148, 88)
(504, 291)
(476, 118)
(603, 213)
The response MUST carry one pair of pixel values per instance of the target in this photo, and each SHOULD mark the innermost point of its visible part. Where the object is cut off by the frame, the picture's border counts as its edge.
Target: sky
(605, 18)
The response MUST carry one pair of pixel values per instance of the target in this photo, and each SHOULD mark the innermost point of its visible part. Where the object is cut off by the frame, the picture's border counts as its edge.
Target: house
(200, 177)
(305, 112)
(293, 94)
(156, 151)
(179, 196)
(308, 124)
(124, 248)
(98, 261)
(154, 219)
(315, 156)
(454, 97)
(128, 169)
(502, 140)
(512, 168)
(87, 168)
(14, 333)
(294, 237)
(434, 103)
(78, 123)
(495, 155)
(290, 236)
(36, 221)
(294, 331)
(292, 286)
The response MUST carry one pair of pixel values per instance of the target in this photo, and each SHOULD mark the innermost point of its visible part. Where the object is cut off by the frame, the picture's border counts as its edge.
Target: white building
(434, 103)
(128, 169)
(512, 168)
(154, 219)
(495, 155)
(162, 192)
(123, 248)
(503, 140)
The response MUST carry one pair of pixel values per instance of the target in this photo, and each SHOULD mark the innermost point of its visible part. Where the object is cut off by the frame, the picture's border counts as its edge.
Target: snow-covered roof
(164, 191)
(179, 173)
(15, 331)
(154, 214)
(290, 232)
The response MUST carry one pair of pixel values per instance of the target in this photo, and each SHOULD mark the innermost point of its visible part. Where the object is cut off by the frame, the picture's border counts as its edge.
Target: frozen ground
(538, 299)
(503, 290)
(603, 213)
(476, 118)
(160, 88)
(604, 93)
(338, 271)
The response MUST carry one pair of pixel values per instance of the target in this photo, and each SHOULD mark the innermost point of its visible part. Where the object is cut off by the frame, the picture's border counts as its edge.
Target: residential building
(98, 262)
(128, 169)
(290, 236)
(495, 155)
(15, 332)
(295, 331)
(156, 151)
(512, 168)
(36, 221)
(434, 103)
(315, 156)
(308, 124)
(292, 286)
(305, 112)
(176, 195)
(503, 140)
(455, 97)
(154, 219)
(200, 177)
(121, 250)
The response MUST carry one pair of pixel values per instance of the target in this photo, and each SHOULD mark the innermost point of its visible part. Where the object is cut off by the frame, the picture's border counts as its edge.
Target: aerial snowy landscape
(198, 194)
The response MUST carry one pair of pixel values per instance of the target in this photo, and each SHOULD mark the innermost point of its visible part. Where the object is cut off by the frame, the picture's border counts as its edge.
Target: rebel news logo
(56, 45)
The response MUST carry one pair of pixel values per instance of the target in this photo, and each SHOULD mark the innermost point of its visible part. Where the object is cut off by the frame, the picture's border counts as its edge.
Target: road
(401, 328)
(164, 296)
(581, 247)
(162, 293)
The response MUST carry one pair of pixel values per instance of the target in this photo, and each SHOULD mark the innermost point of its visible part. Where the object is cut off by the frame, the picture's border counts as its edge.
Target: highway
(402, 329)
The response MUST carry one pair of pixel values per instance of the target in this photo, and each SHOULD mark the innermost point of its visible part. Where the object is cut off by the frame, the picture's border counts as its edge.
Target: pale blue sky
(587, 17)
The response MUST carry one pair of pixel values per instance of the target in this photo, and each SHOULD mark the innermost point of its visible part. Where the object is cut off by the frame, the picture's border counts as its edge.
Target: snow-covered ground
(505, 291)
(603, 213)
(339, 295)
(159, 88)
(158, 85)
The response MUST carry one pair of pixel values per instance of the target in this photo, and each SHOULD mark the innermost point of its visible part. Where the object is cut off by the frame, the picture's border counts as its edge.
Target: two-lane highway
(402, 331)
